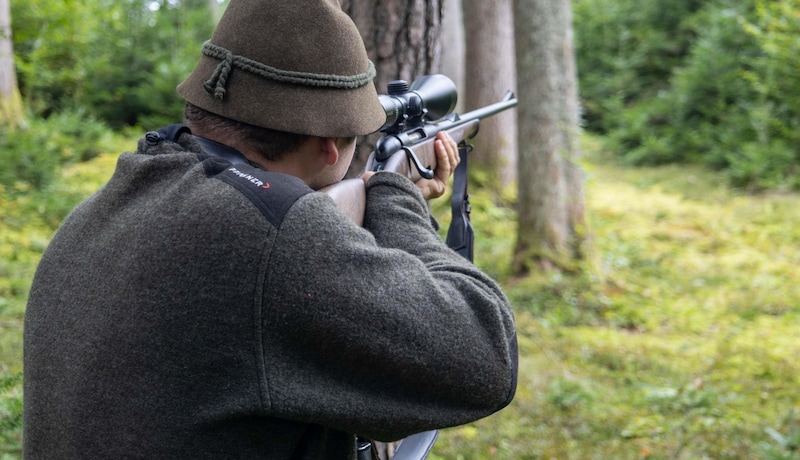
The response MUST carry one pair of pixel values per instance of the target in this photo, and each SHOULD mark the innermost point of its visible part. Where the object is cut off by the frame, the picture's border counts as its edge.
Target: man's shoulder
(273, 194)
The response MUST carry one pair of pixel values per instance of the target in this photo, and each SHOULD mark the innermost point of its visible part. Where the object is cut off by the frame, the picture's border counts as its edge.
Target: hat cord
(216, 85)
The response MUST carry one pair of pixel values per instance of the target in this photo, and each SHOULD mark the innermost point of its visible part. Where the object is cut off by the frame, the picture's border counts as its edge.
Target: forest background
(678, 339)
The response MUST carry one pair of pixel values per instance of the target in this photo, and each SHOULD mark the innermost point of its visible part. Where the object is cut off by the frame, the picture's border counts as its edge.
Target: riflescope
(429, 98)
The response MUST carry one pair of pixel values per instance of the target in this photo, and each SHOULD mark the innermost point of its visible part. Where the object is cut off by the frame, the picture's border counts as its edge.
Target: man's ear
(329, 150)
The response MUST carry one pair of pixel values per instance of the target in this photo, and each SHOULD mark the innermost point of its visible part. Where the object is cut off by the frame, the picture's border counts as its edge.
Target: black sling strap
(460, 235)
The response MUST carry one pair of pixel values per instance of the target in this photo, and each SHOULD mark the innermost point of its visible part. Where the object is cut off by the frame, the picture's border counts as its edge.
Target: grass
(679, 341)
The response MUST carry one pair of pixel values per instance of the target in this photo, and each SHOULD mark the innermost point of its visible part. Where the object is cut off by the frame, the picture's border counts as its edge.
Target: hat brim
(336, 112)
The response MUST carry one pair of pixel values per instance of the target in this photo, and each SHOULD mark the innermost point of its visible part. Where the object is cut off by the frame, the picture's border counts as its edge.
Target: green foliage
(689, 120)
(625, 48)
(140, 60)
(50, 46)
(724, 92)
(33, 154)
(783, 444)
(10, 413)
(121, 61)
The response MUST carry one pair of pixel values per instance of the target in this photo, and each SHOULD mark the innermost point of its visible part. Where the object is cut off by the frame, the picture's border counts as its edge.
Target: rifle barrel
(509, 100)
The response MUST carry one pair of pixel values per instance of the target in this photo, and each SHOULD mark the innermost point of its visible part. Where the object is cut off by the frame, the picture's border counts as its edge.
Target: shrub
(626, 50)
(120, 60)
(712, 83)
(33, 154)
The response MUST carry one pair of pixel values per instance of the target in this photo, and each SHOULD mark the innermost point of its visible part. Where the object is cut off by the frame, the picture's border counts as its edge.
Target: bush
(713, 83)
(33, 154)
(120, 60)
(626, 50)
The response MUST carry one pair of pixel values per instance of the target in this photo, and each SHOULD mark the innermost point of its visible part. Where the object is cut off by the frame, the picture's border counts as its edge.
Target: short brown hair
(266, 142)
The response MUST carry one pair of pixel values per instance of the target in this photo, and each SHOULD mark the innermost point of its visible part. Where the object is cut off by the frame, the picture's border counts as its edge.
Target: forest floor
(678, 341)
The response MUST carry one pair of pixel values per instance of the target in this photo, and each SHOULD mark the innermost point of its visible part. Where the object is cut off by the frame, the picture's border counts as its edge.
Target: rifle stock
(350, 197)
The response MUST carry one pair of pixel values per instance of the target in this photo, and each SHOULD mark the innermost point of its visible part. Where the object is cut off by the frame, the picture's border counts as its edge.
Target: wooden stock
(350, 195)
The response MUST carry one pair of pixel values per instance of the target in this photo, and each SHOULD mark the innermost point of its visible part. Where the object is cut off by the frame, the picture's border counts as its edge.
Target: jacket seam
(258, 328)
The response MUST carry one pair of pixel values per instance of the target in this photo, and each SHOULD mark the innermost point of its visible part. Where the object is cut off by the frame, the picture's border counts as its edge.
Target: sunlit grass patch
(678, 341)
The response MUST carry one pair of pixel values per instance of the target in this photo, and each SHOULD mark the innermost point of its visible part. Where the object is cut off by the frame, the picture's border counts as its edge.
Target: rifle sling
(221, 150)
(460, 236)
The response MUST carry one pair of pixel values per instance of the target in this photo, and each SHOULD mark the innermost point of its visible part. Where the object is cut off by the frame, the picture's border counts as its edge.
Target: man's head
(269, 144)
(297, 66)
(319, 161)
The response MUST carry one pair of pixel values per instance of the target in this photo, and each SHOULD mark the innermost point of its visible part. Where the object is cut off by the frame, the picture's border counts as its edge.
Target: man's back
(195, 308)
(140, 337)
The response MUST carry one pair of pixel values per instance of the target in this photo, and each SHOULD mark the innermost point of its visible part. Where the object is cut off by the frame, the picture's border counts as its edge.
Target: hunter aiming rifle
(414, 115)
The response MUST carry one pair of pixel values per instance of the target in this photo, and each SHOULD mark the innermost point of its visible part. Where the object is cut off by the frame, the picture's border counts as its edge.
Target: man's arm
(383, 332)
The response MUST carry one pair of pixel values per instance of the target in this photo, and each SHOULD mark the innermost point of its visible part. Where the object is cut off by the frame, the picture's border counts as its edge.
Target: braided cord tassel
(216, 85)
(219, 79)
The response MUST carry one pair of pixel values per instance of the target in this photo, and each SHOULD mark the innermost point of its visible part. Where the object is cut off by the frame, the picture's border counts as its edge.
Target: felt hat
(298, 66)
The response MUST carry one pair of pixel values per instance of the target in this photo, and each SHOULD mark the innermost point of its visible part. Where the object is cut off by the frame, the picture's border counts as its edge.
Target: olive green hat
(298, 66)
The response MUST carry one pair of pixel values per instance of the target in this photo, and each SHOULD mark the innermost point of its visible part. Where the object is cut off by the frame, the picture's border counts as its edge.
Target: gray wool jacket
(195, 308)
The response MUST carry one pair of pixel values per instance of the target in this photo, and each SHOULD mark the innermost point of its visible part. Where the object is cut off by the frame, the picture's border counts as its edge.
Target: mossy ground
(679, 340)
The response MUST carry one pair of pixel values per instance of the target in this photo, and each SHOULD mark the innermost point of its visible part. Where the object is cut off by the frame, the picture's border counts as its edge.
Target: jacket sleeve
(383, 330)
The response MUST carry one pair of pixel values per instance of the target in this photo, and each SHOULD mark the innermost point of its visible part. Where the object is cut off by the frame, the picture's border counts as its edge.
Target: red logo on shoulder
(266, 185)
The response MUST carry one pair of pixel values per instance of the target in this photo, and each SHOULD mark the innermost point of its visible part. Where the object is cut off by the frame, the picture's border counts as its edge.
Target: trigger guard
(426, 173)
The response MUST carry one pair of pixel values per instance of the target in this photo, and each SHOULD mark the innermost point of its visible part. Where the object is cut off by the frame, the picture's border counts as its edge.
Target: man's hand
(447, 159)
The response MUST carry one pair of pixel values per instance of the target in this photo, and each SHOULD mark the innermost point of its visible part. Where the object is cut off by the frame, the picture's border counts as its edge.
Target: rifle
(414, 116)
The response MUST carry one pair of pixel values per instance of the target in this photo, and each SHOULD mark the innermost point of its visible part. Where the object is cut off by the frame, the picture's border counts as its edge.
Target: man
(208, 303)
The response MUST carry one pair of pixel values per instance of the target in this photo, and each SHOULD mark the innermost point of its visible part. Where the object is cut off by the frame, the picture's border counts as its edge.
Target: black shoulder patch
(272, 193)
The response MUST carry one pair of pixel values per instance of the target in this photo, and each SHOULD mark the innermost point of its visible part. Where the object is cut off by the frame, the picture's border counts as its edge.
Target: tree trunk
(453, 44)
(571, 122)
(213, 8)
(11, 113)
(403, 40)
(551, 225)
(490, 72)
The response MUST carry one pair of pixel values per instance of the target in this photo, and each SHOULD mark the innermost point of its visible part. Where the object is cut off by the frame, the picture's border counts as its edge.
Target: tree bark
(453, 47)
(490, 72)
(551, 225)
(402, 38)
(11, 113)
